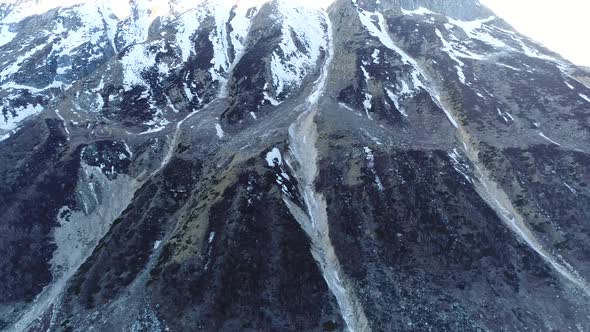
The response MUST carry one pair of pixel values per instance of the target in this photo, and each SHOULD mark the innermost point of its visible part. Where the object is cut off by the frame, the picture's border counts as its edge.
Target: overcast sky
(561, 25)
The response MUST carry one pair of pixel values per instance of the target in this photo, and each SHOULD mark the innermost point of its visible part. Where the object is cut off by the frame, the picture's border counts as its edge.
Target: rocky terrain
(252, 165)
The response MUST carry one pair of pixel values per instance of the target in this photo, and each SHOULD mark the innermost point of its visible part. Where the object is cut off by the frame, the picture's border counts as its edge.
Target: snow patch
(189, 22)
(504, 116)
(574, 191)
(274, 158)
(507, 66)
(453, 55)
(476, 29)
(219, 131)
(375, 56)
(6, 36)
(396, 102)
(64, 124)
(460, 165)
(371, 164)
(373, 138)
(290, 64)
(152, 130)
(10, 122)
(376, 25)
(548, 139)
(368, 104)
(419, 11)
(135, 62)
(268, 97)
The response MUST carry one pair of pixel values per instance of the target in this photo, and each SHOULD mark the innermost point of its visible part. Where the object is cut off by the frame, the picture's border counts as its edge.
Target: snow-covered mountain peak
(16, 10)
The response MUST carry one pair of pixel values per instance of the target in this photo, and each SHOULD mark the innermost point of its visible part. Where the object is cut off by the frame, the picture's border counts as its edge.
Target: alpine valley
(277, 165)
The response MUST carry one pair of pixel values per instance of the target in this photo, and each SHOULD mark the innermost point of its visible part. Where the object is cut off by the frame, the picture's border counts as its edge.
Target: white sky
(561, 25)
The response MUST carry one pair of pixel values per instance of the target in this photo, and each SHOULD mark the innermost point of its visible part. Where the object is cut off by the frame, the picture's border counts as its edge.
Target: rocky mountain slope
(250, 165)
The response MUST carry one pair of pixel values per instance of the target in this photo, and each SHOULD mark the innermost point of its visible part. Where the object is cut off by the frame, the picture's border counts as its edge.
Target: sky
(561, 25)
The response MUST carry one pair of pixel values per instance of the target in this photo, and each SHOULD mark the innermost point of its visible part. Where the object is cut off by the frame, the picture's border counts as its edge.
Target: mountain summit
(386, 165)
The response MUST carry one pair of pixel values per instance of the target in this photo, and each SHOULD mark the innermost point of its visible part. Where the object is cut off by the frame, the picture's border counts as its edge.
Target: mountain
(370, 165)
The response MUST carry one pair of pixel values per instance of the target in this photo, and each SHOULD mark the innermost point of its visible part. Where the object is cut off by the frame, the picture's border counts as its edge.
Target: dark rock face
(231, 286)
(431, 246)
(371, 166)
(37, 175)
